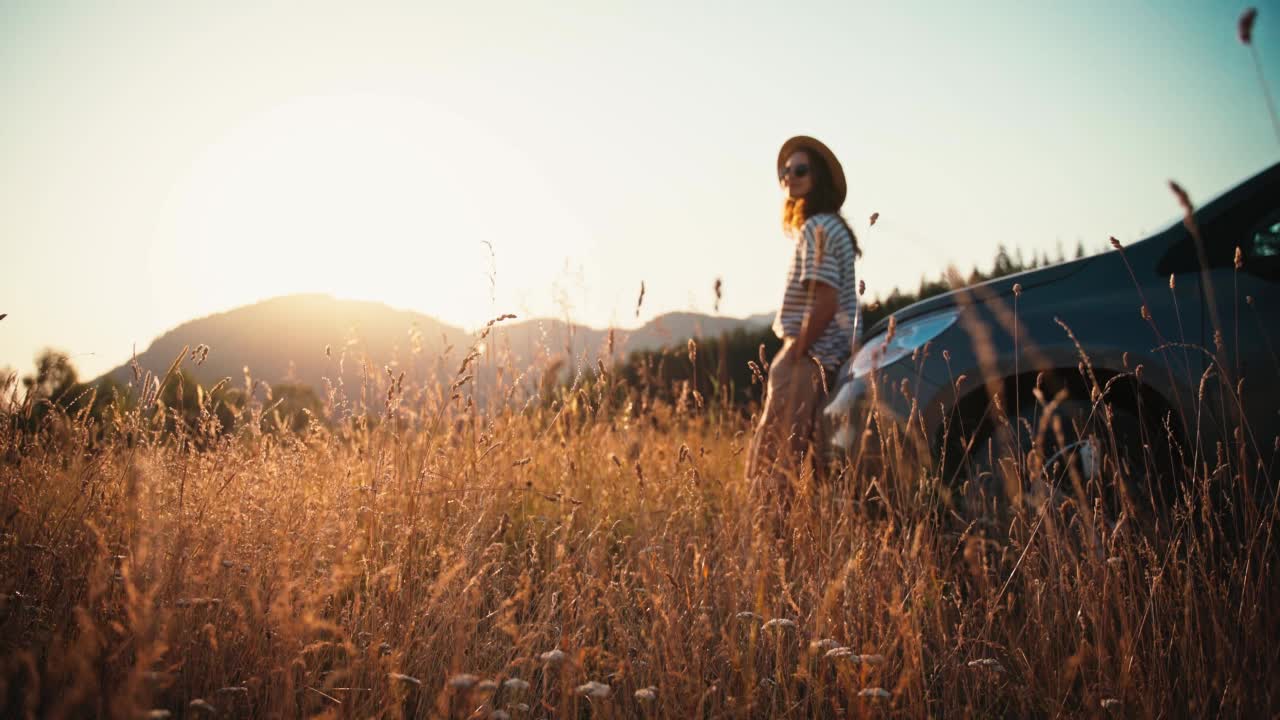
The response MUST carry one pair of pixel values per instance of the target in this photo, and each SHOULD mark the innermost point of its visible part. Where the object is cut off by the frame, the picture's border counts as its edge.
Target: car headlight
(882, 351)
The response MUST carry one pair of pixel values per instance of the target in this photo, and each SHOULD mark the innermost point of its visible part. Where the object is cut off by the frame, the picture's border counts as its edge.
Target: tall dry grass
(592, 552)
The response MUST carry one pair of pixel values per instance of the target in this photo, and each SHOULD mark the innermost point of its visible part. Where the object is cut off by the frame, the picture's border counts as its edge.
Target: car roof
(1211, 209)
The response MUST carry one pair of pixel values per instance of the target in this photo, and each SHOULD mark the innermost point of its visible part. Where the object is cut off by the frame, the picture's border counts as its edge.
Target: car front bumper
(865, 408)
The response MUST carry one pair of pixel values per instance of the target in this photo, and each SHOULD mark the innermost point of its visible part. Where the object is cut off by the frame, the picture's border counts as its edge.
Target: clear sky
(163, 161)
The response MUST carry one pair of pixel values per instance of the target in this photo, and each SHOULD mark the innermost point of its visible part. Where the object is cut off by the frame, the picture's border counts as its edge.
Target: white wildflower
(595, 690)
(553, 656)
(406, 679)
(515, 684)
(779, 623)
(874, 692)
(824, 645)
(234, 690)
(463, 681)
(988, 664)
(648, 694)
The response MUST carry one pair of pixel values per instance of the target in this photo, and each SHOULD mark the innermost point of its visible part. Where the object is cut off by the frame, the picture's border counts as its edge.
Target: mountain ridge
(307, 338)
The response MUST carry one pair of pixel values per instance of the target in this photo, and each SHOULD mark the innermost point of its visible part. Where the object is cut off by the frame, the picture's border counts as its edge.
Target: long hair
(821, 199)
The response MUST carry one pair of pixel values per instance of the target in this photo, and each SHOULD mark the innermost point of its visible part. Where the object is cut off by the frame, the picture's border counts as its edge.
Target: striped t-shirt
(825, 257)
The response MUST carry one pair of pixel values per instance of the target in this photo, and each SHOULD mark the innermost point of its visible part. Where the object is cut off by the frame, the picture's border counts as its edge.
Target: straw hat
(804, 142)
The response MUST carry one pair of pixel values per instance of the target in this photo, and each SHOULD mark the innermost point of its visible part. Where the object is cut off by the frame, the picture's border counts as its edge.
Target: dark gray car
(1167, 370)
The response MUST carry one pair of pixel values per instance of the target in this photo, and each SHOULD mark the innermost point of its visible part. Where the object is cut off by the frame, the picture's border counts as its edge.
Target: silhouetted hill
(284, 339)
(545, 337)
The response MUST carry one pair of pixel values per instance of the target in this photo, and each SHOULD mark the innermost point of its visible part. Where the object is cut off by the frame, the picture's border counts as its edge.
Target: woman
(817, 320)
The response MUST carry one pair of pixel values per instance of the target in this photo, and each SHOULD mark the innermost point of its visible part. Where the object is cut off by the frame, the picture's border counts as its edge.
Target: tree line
(728, 370)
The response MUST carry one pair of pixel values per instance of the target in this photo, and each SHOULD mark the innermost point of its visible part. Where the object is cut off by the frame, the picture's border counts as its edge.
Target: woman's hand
(784, 353)
(824, 300)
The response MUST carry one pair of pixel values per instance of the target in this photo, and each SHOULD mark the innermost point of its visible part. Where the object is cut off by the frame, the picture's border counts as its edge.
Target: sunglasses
(799, 171)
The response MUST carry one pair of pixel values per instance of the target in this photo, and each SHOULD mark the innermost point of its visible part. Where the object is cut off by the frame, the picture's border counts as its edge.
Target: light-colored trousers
(789, 437)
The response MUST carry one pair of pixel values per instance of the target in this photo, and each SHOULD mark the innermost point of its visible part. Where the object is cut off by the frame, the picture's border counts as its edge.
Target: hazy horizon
(167, 161)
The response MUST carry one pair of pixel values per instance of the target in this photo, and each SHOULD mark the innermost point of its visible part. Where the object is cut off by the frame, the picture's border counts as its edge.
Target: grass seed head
(1245, 26)
(1184, 200)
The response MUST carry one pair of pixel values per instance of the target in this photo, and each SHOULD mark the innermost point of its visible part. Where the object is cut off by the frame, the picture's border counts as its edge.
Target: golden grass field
(592, 553)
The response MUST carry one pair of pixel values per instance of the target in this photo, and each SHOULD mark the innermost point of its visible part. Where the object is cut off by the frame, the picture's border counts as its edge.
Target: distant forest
(728, 372)
(729, 369)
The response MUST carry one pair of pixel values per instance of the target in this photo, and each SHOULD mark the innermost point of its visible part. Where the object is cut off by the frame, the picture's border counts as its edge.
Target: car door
(1250, 312)
(1244, 258)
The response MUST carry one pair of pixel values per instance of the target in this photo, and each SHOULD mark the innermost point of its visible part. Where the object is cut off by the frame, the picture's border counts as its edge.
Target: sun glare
(378, 198)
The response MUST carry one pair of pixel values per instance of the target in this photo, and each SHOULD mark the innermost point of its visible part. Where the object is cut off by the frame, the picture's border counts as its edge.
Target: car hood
(997, 287)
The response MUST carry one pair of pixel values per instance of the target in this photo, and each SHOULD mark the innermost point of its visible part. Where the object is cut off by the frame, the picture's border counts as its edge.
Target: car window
(1247, 218)
(1265, 242)
(1253, 226)
(1261, 248)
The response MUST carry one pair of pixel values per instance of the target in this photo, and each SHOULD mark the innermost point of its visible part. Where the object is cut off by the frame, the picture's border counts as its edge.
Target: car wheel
(1018, 464)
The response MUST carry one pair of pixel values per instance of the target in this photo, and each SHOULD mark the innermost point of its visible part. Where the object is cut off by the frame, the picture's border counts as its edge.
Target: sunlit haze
(164, 161)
